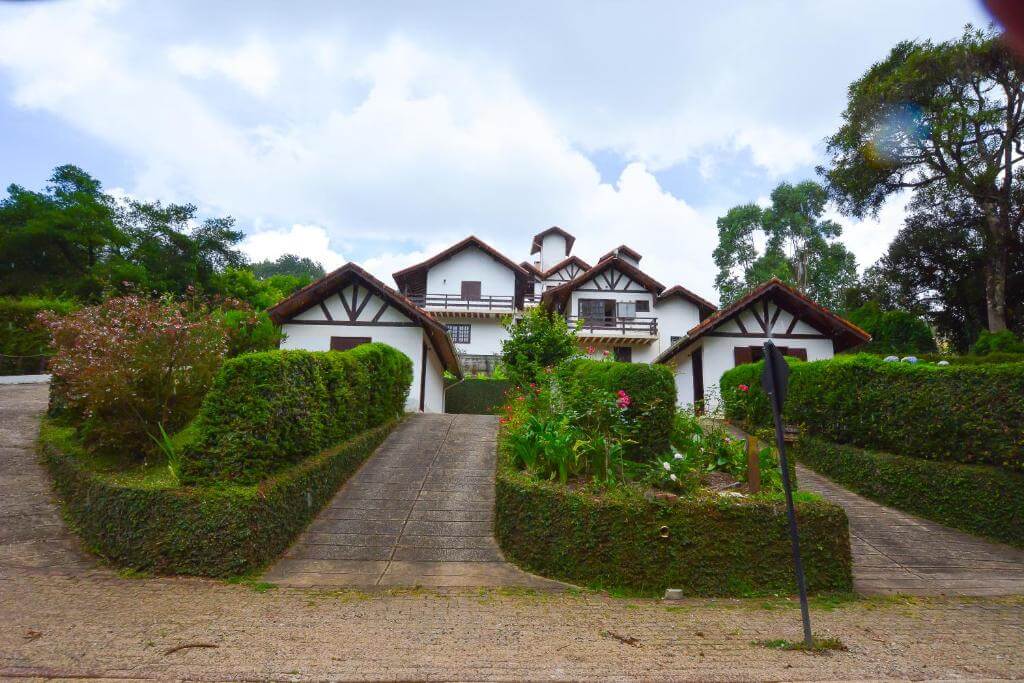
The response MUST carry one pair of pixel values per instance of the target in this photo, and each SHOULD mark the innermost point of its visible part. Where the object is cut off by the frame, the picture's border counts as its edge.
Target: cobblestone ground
(53, 626)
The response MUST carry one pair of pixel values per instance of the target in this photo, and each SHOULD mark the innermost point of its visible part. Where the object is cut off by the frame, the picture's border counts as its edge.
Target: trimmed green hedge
(266, 411)
(206, 531)
(715, 546)
(969, 414)
(652, 391)
(25, 346)
(476, 396)
(980, 499)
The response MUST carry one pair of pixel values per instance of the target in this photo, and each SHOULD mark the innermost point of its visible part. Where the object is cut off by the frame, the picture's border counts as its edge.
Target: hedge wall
(206, 531)
(476, 396)
(715, 546)
(969, 414)
(24, 346)
(652, 390)
(979, 499)
(266, 411)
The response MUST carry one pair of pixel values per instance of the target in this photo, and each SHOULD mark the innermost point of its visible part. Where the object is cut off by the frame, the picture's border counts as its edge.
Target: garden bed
(144, 521)
(705, 544)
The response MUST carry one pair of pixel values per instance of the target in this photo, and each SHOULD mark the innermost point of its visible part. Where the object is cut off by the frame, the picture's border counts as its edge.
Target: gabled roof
(566, 262)
(705, 306)
(538, 239)
(532, 269)
(402, 276)
(560, 294)
(622, 249)
(844, 334)
(317, 291)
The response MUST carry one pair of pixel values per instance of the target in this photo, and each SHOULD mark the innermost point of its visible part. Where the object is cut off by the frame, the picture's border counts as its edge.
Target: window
(643, 306)
(459, 332)
(673, 340)
(624, 354)
(597, 311)
(470, 290)
(346, 343)
(625, 309)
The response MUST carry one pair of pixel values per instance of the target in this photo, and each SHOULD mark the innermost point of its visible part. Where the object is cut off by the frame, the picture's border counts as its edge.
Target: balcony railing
(531, 299)
(614, 325)
(456, 302)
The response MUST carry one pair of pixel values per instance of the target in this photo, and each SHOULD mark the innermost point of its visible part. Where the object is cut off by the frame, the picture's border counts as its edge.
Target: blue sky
(379, 132)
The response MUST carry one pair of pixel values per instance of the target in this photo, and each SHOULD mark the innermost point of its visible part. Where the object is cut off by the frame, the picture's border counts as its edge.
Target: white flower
(678, 456)
(666, 466)
(673, 477)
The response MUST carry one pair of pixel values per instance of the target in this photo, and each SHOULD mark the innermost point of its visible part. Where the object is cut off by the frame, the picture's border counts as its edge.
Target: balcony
(637, 329)
(454, 304)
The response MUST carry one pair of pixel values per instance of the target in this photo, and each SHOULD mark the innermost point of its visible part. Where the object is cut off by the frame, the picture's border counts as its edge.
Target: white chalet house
(449, 311)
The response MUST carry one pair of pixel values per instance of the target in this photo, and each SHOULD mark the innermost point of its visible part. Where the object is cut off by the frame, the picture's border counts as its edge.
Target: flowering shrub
(130, 365)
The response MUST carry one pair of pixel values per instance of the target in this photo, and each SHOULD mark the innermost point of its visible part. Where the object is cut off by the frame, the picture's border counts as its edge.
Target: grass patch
(252, 582)
(818, 645)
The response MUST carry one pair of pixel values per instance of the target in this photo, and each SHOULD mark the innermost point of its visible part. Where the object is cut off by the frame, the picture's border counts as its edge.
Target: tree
(536, 343)
(289, 264)
(893, 332)
(946, 117)
(800, 247)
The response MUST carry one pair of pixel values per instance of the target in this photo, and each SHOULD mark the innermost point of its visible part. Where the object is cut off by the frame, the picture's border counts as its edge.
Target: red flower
(744, 387)
(590, 350)
(624, 400)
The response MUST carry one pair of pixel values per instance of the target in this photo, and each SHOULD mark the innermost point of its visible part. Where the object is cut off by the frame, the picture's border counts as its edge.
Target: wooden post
(753, 465)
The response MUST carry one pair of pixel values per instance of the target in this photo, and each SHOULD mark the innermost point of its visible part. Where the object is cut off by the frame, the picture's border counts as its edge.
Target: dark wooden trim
(697, 365)
(775, 318)
(345, 323)
(344, 304)
(366, 300)
(792, 323)
(739, 322)
(423, 377)
(761, 322)
(327, 314)
(625, 291)
(759, 335)
(379, 313)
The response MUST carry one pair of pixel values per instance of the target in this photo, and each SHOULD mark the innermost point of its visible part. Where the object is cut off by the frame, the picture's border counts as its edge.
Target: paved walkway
(895, 552)
(33, 537)
(419, 512)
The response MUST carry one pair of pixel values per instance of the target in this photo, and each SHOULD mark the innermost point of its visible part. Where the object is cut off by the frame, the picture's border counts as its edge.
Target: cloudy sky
(380, 132)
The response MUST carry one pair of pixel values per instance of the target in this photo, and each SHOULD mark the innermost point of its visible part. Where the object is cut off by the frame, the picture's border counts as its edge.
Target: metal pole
(780, 441)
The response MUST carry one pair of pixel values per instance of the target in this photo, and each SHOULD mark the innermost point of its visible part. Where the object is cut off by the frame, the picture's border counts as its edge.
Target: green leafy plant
(536, 342)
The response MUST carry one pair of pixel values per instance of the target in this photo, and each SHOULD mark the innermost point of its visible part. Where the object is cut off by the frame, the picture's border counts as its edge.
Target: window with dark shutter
(742, 354)
(624, 354)
(470, 290)
(643, 306)
(346, 343)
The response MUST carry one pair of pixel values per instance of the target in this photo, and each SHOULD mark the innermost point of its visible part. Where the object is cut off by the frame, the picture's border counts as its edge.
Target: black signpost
(775, 381)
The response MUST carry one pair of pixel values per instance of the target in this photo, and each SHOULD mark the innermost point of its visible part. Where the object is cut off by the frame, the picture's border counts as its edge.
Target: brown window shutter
(470, 290)
(796, 353)
(346, 343)
(742, 354)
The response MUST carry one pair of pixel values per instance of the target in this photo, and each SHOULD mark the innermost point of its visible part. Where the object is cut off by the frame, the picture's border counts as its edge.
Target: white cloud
(310, 241)
(252, 65)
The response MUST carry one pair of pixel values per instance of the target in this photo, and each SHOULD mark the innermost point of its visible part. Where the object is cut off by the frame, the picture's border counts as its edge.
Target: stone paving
(420, 512)
(32, 533)
(896, 552)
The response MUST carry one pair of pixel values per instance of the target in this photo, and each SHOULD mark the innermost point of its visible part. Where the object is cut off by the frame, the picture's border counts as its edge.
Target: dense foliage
(892, 332)
(590, 392)
(207, 531)
(799, 246)
(705, 545)
(25, 344)
(476, 396)
(536, 342)
(961, 413)
(1004, 341)
(942, 118)
(266, 411)
(130, 367)
(289, 265)
(979, 499)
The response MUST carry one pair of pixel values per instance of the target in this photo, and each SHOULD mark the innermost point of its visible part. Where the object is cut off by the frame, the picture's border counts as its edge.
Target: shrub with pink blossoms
(126, 367)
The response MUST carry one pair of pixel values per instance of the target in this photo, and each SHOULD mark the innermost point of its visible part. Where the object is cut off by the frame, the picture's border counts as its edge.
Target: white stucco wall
(433, 394)
(676, 317)
(552, 250)
(471, 264)
(407, 339)
(485, 334)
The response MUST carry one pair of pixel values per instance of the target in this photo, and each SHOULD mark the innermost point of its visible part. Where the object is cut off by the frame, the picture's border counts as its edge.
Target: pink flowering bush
(130, 367)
